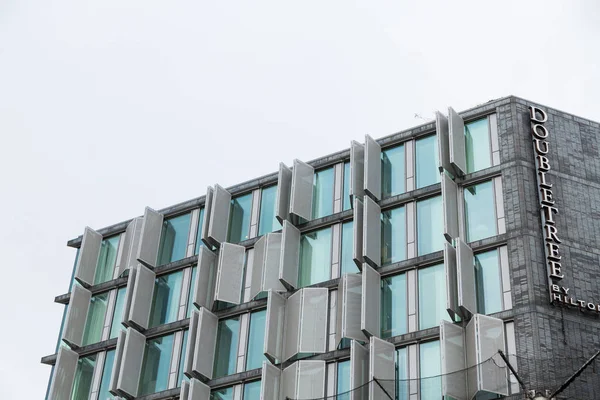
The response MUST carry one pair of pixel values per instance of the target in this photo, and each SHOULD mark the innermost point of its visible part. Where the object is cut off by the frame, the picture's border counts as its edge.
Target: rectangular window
(347, 204)
(393, 235)
(109, 362)
(95, 319)
(256, 338)
(199, 241)
(393, 177)
(174, 239)
(106, 259)
(347, 263)
(343, 381)
(190, 305)
(239, 218)
(315, 257)
(155, 367)
(430, 370)
(115, 325)
(430, 225)
(222, 394)
(180, 376)
(323, 193)
(432, 296)
(252, 391)
(426, 156)
(165, 302)
(228, 334)
(480, 211)
(82, 385)
(267, 222)
(477, 142)
(402, 380)
(393, 306)
(488, 278)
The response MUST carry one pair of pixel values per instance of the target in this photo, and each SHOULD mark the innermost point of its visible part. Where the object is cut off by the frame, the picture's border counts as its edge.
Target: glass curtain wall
(174, 239)
(267, 221)
(393, 306)
(199, 241)
(222, 394)
(477, 143)
(315, 257)
(106, 259)
(180, 376)
(256, 338)
(489, 286)
(228, 334)
(426, 157)
(165, 302)
(252, 391)
(430, 370)
(346, 203)
(393, 235)
(393, 176)
(190, 301)
(155, 367)
(323, 193)
(430, 225)
(480, 211)
(116, 325)
(402, 382)
(347, 263)
(82, 385)
(109, 362)
(239, 218)
(343, 380)
(95, 319)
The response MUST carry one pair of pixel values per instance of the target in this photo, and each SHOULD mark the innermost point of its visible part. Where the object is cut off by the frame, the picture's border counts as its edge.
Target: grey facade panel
(129, 290)
(284, 187)
(198, 390)
(452, 348)
(150, 238)
(349, 309)
(206, 341)
(85, 269)
(204, 232)
(218, 219)
(458, 153)
(381, 368)
(293, 313)
(272, 263)
(230, 273)
(357, 170)
(490, 337)
(467, 298)
(290, 255)
(76, 317)
(359, 371)
(205, 279)
(256, 279)
(311, 380)
(302, 191)
(443, 142)
(114, 376)
(64, 374)
(131, 363)
(372, 168)
(372, 232)
(141, 300)
(313, 320)
(450, 207)
(270, 382)
(274, 326)
(451, 282)
(189, 352)
(134, 231)
(289, 382)
(122, 262)
(370, 311)
(357, 234)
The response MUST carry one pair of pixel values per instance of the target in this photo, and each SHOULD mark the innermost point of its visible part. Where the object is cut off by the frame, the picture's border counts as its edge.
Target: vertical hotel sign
(548, 210)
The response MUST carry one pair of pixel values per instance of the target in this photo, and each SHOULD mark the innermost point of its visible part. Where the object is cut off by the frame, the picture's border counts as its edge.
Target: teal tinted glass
(190, 301)
(106, 259)
(430, 225)
(488, 277)
(252, 391)
(267, 222)
(155, 367)
(256, 338)
(393, 235)
(174, 239)
(480, 211)
(239, 218)
(227, 343)
(347, 204)
(165, 301)
(109, 361)
(180, 376)
(393, 306)
(116, 325)
(348, 265)
(199, 241)
(95, 319)
(343, 380)
(426, 157)
(323, 193)
(393, 176)
(222, 394)
(432, 296)
(82, 385)
(477, 142)
(315, 257)
(431, 369)
(402, 382)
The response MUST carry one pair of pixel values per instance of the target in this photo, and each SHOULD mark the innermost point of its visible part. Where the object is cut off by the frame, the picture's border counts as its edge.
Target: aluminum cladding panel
(205, 279)
(76, 317)
(443, 142)
(141, 300)
(381, 367)
(350, 307)
(198, 390)
(311, 380)
(452, 348)
(313, 320)
(467, 299)
(372, 233)
(135, 228)
(293, 313)
(219, 216)
(302, 190)
(191, 343)
(370, 302)
(284, 187)
(357, 234)
(359, 371)
(450, 207)
(256, 279)
(372, 167)
(150, 238)
(206, 341)
(270, 382)
(274, 325)
(208, 202)
(289, 382)
(114, 376)
(85, 270)
(131, 363)
(492, 379)
(64, 374)
(272, 263)
(230, 273)
(451, 281)
(357, 170)
(290, 255)
(458, 154)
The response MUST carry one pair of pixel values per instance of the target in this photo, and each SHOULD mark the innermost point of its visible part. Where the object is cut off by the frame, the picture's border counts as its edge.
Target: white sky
(109, 106)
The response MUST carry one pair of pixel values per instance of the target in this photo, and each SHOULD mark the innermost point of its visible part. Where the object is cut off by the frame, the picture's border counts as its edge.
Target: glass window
(431, 369)
(227, 345)
(116, 325)
(393, 235)
(59, 341)
(82, 385)
(165, 301)
(430, 225)
(256, 338)
(480, 211)
(199, 241)
(252, 391)
(323, 193)
(343, 380)
(180, 376)
(426, 156)
(239, 218)
(477, 142)
(190, 301)
(315, 257)
(222, 394)
(347, 263)
(393, 306)
(347, 204)
(95, 319)
(155, 367)
(268, 222)
(432, 296)
(488, 278)
(73, 270)
(174, 239)
(392, 171)
(402, 381)
(109, 361)
(106, 259)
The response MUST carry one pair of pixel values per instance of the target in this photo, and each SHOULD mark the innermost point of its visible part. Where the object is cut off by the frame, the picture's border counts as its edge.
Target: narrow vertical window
(426, 155)
(190, 304)
(432, 296)
(155, 366)
(489, 286)
(347, 263)
(116, 325)
(402, 382)
(323, 193)
(199, 241)
(239, 218)
(222, 394)
(430, 370)
(315, 257)
(106, 259)
(165, 302)
(227, 345)
(480, 211)
(256, 338)
(393, 306)
(82, 385)
(95, 319)
(430, 225)
(109, 361)
(343, 381)
(267, 222)
(347, 204)
(252, 391)
(180, 376)
(174, 239)
(393, 235)
(393, 177)
(477, 142)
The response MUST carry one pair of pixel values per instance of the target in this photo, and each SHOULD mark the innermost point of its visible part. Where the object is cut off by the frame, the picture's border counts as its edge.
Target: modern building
(402, 268)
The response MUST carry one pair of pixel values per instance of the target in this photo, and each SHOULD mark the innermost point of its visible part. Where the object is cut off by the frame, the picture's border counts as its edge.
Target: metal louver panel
(443, 142)
(141, 300)
(357, 234)
(191, 343)
(467, 299)
(197, 391)
(205, 279)
(218, 218)
(131, 363)
(284, 187)
(372, 233)
(272, 263)
(230, 273)
(359, 371)
(372, 168)
(458, 153)
(206, 341)
(64, 374)
(451, 282)
(85, 270)
(311, 380)
(270, 382)
(290, 255)
(130, 245)
(258, 259)
(114, 376)
(274, 325)
(313, 320)
(76, 317)
(289, 382)
(207, 212)
(349, 308)
(302, 191)
(382, 369)
(370, 311)
(452, 348)
(293, 314)
(450, 207)
(150, 238)
(357, 170)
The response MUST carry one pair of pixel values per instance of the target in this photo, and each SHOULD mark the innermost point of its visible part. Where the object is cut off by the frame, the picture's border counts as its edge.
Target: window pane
(477, 141)
(348, 265)
(343, 380)
(393, 306)
(315, 257)
(155, 367)
(346, 190)
(256, 338)
(252, 391)
(480, 211)
(323, 193)
(95, 319)
(109, 361)
(239, 218)
(432, 296)
(430, 225)
(426, 161)
(199, 232)
(165, 302)
(106, 260)
(174, 239)
(489, 289)
(116, 325)
(402, 382)
(393, 235)
(431, 368)
(227, 346)
(392, 171)
(82, 385)
(180, 376)
(222, 394)
(267, 222)
(190, 305)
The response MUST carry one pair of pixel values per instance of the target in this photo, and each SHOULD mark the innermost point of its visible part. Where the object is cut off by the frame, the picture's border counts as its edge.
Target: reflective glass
(82, 385)
(227, 345)
(323, 193)
(239, 218)
(477, 142)
(116, 325)
(402, 382)
(95, 319)
(489, 287)
(190, 301)
(480, 211)
(165, 301)
(199, 241)
(106, 259)
(252, 391)
(109, 361)
(430, 225)
(155, 367)
(393, 306)
(426, 157)
(347, 204)
(267, 222)
(431, 369)
(347, 263)
(222, 394)
(180, 376)
(343, 380)
(432, 296)
(174, 239)
(315, 257)
(393, 176)
(393, 235)
(256, 338)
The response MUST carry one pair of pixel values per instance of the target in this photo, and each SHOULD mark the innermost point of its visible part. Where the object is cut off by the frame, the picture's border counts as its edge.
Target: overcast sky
(110, 106)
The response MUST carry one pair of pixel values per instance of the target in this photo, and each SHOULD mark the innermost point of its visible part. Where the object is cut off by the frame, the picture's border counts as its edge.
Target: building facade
(397, 269)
